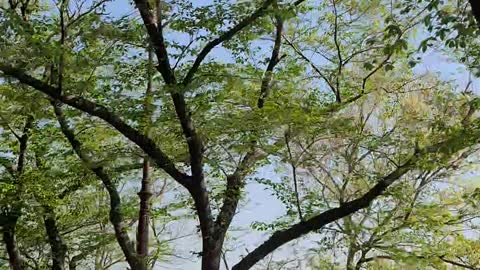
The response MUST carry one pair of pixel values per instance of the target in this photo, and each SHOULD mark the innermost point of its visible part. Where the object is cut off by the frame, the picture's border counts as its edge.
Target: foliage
(369, 157)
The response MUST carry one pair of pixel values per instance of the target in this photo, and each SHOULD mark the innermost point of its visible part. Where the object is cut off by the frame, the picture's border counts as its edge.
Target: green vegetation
(119, 126)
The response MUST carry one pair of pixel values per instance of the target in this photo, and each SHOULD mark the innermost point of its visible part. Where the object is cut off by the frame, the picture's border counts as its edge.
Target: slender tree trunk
(14, 257)
(58, 246)
(350, 258)
(16, 262)
(144, 214)
(146, 190)
(352, 242)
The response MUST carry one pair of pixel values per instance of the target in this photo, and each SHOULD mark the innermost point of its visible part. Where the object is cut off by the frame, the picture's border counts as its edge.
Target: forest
(239, 134)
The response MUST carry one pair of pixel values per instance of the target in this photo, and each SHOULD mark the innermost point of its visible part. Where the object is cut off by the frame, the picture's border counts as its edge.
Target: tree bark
(212, 254)
(16, 262)
(144, 214)
(475, 4)
(57, 245)
(14, 258)
(146, 187)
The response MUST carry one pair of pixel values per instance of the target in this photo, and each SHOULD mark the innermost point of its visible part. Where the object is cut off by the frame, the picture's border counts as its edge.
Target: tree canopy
(122, 123)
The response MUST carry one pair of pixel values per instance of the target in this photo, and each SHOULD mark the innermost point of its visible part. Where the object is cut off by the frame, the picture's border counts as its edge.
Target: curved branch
(274, 59)
(465, 137)
(155, 32)
(94, 109)
(116, 217)
(225, 37)
(282, 237)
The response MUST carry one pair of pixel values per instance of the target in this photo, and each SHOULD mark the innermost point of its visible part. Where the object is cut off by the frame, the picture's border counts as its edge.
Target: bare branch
(339, 53)
(314, 67)
(294, 174)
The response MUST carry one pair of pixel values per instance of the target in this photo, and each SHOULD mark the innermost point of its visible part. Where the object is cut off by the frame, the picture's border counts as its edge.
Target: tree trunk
(475, 4)
(16, 262)
(57, 245)
(350, 258)
(211, 255)
(14, 258)
(352, 242)
(144, 215)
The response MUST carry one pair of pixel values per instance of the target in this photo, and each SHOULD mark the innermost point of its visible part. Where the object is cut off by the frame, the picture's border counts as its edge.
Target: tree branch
(116, 217)
(232, 194)
(11, 218)
(467, 136)
(274, 59)
(57, 244)
(235, 181)
(294, 175)
(282, 237)
(225, 37)
(197, 186)
(23, 145)
(143, 141)
(314, 67)
(155, 32)
(339, 54)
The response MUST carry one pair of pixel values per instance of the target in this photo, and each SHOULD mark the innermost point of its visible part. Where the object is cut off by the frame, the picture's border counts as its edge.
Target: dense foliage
(123, 123)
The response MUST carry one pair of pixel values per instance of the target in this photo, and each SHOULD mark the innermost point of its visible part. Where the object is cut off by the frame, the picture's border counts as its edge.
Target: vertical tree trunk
(350, 258)
(352, 249)
(14, 257)
(144, 214)
(16, 262)
(146, 189)
(57, 245)
(212, 255)
(58, 248)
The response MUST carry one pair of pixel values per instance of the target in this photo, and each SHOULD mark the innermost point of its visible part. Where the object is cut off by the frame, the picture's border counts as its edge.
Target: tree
(210, 123)
(418, 221)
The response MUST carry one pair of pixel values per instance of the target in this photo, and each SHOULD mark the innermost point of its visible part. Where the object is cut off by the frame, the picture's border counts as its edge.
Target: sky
(260, 205)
